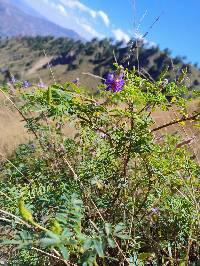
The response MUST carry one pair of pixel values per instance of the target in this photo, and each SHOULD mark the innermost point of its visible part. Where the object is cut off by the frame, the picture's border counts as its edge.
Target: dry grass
(188, 131)
(13, 133)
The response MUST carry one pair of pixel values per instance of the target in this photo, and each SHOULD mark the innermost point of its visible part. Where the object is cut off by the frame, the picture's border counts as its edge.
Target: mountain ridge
(25, 7)
(16, 22)
(24, 58)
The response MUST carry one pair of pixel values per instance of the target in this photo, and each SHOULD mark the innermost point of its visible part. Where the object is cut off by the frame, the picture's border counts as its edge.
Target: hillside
(98, 167)
(20, 20)
(24, 58)
(29, 58)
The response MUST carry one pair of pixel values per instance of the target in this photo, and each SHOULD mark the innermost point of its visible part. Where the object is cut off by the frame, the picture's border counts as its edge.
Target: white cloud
(83, 19)
(120, 35)
(75, 4)
(92, 31)
(105, 17)
(61, 9)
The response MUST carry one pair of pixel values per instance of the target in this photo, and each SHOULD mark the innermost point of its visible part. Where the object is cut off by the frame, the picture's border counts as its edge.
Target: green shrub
(110, 195)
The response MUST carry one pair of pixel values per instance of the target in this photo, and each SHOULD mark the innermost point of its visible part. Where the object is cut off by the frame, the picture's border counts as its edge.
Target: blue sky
(178, 28)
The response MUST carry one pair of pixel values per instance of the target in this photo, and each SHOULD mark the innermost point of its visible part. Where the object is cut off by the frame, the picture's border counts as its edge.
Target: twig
(45, 253)
(115, 56)
(176, 122)
(98, 129)
(53, 256)
(5, 195)
(49, 66)
(20, 112)
(120, 250)
(135, 44)
(92, 75)
(16, 169)
(148, 189)
(14, 216)
(6, 220)
(148, 75)
(71, 168)
(65, 261)
(185, 142)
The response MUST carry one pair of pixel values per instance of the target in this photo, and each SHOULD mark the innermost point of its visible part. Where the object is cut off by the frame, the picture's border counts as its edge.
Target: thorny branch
(193, 117)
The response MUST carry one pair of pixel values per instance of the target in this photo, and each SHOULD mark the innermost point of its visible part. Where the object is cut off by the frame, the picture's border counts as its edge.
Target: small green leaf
(99, 248)
(64, 252)
(56, 227)
(88, 244)
(108, 228)
(122, 236)
(81, 237)
(119, 227)
(49, 241)
(52, 235)
(66, 233)
(145, 255)
(182, 263)
(111, 243)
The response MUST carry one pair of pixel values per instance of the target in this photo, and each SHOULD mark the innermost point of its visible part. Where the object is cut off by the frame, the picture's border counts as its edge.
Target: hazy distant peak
(17, 18)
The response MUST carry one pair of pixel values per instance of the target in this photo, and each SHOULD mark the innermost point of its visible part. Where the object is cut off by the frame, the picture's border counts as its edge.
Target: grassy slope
(12, 131)
(28, 63)
(26, 60)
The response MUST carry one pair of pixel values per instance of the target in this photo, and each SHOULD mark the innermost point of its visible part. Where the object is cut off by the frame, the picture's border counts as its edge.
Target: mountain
(24, 58)
(16, 19)
(26, 8)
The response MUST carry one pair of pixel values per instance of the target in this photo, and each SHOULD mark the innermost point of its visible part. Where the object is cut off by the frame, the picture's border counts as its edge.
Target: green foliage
(110, 194)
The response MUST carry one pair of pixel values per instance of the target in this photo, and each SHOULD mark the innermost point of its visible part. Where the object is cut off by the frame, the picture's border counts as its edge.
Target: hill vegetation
(115, 192)
(28, 58)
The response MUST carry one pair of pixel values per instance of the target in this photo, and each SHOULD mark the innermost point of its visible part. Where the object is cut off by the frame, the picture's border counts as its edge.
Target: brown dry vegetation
(13, 133)
(187, 132)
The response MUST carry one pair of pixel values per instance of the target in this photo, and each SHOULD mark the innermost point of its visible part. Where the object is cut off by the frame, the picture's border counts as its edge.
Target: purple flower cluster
(26, 84)
(154, 210)
(115, 81)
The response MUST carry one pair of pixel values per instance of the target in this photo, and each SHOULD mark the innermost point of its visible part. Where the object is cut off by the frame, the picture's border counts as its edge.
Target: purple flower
(102, 135)
(154, 210)
(41, 85)
(25, 84)
(12, 79)
(115, 81)
(76, 81)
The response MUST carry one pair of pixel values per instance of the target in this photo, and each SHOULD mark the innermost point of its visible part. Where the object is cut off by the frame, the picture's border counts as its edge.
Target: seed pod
(49, 95)
(25, 213)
